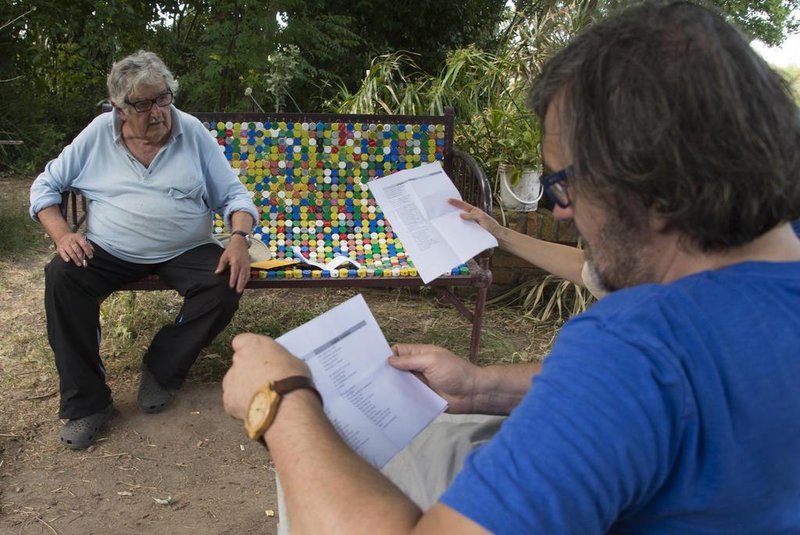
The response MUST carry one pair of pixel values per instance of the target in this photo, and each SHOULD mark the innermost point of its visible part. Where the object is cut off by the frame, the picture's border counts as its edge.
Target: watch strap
(273, 392)
(295, 382)
(243, 234)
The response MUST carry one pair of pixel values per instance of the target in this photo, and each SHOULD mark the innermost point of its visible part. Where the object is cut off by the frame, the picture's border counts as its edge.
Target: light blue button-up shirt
(145, 214)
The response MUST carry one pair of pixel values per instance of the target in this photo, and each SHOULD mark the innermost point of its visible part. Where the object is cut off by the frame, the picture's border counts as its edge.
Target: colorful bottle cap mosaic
(310, 181)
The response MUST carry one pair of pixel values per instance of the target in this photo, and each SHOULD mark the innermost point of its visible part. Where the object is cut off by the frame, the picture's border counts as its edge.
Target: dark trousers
(72, 302)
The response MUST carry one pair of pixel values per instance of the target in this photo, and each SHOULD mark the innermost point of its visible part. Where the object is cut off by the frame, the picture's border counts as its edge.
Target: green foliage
(768, 20)
(40, 142)
(211, 47)
(283, 67)
(327, 44)
(488, 90)
(428, 29)
(53, 60)
(55, 55)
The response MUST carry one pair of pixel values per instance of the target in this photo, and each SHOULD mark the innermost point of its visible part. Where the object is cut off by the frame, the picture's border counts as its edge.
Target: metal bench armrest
(69, 209)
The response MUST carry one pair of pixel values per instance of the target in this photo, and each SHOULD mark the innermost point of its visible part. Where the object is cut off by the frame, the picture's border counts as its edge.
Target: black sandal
(153, 397)
(79, 433)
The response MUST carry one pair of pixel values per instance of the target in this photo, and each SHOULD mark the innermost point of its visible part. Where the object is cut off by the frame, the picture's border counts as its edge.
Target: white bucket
(525, 195)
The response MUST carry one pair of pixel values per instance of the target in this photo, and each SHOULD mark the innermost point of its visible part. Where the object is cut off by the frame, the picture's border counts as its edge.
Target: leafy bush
(488, 90)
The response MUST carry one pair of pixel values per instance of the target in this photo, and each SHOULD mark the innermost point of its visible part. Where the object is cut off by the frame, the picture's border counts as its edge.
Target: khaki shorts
(427, 466)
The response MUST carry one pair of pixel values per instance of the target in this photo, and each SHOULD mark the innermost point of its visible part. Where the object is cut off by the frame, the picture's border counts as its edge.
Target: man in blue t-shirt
(672, 405)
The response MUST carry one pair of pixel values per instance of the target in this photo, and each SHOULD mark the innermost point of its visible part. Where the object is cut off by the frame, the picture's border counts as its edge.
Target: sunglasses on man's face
(556, 186)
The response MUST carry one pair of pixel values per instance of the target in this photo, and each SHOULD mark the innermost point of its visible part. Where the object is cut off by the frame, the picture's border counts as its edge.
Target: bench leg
(475, 317)
(477, 324)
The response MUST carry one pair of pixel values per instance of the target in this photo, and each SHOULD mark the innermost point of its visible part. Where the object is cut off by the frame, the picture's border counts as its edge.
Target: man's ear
(657, 223)
(120, 111)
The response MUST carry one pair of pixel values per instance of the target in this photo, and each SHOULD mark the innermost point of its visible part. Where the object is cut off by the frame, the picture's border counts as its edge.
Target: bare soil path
(187, 470)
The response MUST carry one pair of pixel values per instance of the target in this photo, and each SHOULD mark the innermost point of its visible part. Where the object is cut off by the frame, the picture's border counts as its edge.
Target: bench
(305, 172)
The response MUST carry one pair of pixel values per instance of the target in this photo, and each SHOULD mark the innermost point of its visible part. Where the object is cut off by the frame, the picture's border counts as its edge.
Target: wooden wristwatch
(264, 403)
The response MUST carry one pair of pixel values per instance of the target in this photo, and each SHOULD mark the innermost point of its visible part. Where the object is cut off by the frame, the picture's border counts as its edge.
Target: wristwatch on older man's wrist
(244, 235)
(264, 403)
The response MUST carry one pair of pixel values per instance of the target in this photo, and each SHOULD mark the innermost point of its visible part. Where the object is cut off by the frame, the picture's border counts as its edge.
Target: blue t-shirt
(663, 409)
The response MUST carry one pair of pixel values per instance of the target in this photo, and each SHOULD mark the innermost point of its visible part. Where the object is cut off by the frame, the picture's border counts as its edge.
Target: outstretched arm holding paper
(436, 238)
(561, 260)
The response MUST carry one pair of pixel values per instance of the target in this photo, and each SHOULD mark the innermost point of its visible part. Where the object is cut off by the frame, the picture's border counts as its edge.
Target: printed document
(432, 231)
(334, 263)
(375, 408)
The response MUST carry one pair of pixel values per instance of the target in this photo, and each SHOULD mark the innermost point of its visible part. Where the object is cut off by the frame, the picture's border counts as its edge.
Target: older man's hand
(74, 247)
(257, 360)
(236, 257)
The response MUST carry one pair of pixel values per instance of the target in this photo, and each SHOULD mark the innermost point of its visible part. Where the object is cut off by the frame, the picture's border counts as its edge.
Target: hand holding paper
(376, 408)
(437, 239)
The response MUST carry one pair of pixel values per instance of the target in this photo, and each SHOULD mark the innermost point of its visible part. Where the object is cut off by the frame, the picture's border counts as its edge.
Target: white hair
(140, 68)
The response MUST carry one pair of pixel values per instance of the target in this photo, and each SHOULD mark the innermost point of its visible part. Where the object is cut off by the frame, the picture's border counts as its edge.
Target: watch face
(259, 408)
(261, 412)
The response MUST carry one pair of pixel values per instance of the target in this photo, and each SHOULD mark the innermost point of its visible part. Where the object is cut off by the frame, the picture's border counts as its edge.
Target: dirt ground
(187, 470)
(191, 468)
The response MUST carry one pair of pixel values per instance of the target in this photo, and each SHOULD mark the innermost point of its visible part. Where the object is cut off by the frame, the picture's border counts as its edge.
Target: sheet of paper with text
(432, 231)
(375, 408)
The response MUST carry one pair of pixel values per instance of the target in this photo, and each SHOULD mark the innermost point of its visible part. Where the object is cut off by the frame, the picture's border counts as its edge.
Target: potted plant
(516, 137)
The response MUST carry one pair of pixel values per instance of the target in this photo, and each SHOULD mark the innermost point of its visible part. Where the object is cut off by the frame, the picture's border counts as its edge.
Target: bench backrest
(308, 175)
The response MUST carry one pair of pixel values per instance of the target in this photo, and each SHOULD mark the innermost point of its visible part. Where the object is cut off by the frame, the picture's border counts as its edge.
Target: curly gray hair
(139, 68)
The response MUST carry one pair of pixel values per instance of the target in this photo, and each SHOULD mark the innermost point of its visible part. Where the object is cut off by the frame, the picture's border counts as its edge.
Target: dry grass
(130, 319)
(548, 299)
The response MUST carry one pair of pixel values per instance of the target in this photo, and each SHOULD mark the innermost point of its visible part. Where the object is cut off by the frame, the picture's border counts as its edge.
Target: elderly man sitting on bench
(152, 176)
